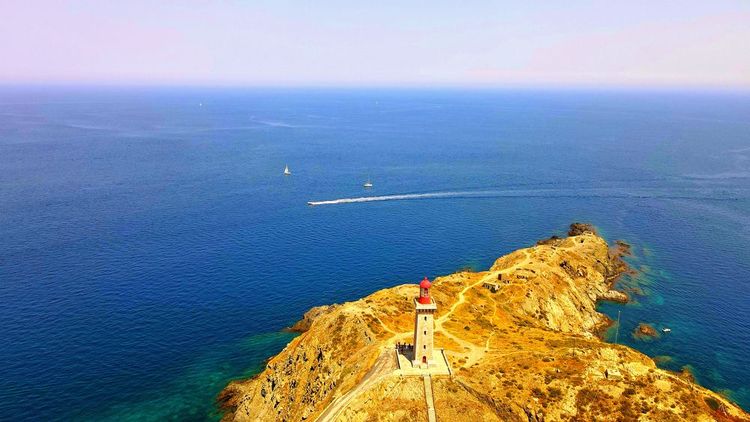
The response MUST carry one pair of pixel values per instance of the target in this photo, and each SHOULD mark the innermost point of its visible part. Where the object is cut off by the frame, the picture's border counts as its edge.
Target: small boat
(286, 171)
(666, 330)
(368, 183)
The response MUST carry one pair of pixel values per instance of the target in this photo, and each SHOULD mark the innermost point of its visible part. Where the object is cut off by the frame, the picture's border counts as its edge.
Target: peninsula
(517, 342)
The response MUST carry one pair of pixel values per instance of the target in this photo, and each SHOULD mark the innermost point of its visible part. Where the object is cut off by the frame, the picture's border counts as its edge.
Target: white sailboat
(368, 183)
(286, 171)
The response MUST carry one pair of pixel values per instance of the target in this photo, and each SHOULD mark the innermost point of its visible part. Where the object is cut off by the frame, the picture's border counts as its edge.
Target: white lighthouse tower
(424, 326)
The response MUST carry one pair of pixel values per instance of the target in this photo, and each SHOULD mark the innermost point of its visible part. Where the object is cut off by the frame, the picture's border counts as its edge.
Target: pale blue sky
(699, 43)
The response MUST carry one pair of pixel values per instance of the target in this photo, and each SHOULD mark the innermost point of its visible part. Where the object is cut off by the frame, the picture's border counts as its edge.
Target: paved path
(383, 365)
(428, 398)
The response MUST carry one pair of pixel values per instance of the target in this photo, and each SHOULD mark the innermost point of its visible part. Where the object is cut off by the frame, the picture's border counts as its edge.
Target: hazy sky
(349, 42)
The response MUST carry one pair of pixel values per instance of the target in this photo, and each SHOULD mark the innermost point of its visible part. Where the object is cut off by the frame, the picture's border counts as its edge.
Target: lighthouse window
(425, 318)
(425, 332)
(424, 346)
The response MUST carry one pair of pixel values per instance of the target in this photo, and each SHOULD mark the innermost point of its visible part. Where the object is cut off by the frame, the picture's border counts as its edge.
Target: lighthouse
(424, 325)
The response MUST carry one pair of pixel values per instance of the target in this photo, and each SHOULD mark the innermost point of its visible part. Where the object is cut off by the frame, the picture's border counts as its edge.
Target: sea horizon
(406, 86)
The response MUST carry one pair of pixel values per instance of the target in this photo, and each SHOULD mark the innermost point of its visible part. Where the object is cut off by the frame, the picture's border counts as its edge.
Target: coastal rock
(645, 331)
(687, 373)
(615, 296)
(304, 324)
(622, 248)
(554, 240)
(527, 351)
(577, 229)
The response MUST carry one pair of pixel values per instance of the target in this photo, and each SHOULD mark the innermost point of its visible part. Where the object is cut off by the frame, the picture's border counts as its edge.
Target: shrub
(712, 403)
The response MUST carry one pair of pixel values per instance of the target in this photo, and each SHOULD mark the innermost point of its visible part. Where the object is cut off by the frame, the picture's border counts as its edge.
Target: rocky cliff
(520, 339)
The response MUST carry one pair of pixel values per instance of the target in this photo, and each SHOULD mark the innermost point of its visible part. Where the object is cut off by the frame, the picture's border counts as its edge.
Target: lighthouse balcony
(425, 306)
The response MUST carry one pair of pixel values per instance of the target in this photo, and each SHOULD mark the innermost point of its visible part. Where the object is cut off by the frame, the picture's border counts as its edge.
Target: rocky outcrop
(577, 229)
(304, 376)
(645, 331)
(564, 296)
(525, 350)
(615, 296)
(304, 324)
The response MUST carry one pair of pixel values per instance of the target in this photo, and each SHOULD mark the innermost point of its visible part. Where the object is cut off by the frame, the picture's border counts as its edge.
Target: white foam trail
(455, 194)
(545, 193)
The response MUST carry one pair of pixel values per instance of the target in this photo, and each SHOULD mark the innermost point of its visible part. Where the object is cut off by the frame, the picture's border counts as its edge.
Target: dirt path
(384, 365)
(462, 299)
(492, 276)
(385, 362)
(475, 352)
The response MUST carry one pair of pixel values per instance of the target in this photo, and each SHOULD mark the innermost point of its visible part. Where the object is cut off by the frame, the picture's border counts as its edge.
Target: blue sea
(151, 249)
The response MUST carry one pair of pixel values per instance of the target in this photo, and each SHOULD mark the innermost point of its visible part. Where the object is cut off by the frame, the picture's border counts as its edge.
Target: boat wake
(543, 193)
(407, 196)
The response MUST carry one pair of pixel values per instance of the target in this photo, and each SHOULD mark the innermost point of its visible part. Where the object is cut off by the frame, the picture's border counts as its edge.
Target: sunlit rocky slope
(521, 339)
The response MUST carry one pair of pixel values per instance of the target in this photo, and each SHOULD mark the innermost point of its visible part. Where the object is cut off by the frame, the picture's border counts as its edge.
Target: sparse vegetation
(712, 403)
(519, 347)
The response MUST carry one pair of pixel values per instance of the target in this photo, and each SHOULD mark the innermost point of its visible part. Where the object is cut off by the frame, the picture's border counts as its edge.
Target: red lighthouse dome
(424, 292)
(425, 284)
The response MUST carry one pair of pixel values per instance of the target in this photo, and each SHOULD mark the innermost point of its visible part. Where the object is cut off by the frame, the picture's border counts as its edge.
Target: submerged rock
(645, 331)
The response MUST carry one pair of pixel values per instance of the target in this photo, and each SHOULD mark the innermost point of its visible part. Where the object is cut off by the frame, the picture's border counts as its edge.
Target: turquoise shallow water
(152, 250)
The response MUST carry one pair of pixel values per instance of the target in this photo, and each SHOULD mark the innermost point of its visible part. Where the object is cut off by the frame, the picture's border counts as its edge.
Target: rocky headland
(521, 339)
